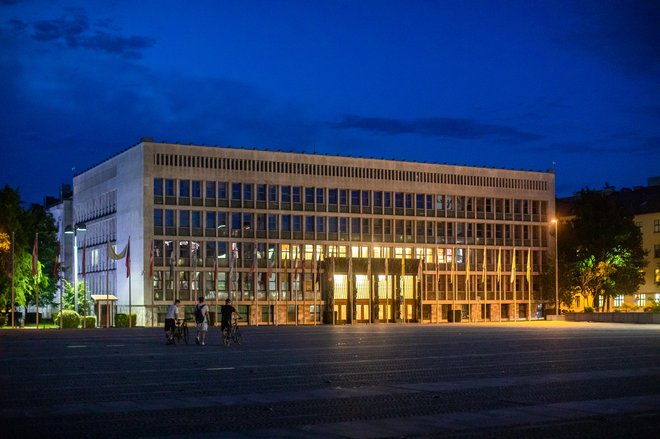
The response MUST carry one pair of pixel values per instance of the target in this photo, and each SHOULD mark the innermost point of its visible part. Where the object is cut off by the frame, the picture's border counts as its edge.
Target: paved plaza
(528, 379)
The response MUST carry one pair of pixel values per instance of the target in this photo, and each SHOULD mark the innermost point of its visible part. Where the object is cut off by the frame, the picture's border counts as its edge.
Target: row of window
(268, 255)
(327, 170)
(243, 224)
(319, 196)
(305, 286)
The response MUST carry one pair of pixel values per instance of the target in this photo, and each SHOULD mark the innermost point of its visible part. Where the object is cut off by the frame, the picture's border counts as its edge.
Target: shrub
(121, 320)
(627, 307)
(2, 320)
(655, 307)
(90, 322)
(70, 319)
(588, 309)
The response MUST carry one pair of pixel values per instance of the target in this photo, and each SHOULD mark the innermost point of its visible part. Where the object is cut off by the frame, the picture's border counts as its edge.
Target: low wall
(613, 317)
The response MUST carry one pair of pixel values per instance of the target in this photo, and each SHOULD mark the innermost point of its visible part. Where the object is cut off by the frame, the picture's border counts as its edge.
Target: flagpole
(513, 281)
(128, 268)
(35, 275)
(13, 290)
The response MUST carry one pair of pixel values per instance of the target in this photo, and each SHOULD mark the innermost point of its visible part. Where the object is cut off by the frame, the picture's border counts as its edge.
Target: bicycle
(232, 334)
(181, 331)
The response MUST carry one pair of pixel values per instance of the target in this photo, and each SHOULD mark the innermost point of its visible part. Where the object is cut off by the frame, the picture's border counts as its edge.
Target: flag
(151, 261)
(128, 258)
(529, 266)
(452, 274)
(35, 256)
(386, 267)
(253, 269)
(499, 265)
(315, 268)
(84, 259)
(215, 274)
(269, 262)
(467, 267)
(172, 262)
(483, 268)
(193, 256)
(113, 255)
(513, 267)
(56, 265)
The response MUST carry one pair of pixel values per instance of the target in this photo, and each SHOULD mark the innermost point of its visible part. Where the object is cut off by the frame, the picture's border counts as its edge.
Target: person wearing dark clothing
(227, 311)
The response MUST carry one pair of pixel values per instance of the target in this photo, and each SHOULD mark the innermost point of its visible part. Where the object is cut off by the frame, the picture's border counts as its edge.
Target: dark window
(319, 196)
(261, 192)
(184, 218)
(184, 188)
(158, 187)
(332, 196)
(296, 194)
(196, 218)
(169, 188)
(210, 189)
(309, 195)
(158, 217)
(196, 189)
(222, 190)
(235, 191)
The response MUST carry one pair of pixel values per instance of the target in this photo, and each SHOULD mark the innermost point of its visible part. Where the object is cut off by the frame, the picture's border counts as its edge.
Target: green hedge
(90, 322)
(70, 319)
(121, 320)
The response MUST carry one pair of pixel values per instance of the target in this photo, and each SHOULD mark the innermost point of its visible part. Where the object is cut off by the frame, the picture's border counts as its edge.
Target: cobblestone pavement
(531, 379)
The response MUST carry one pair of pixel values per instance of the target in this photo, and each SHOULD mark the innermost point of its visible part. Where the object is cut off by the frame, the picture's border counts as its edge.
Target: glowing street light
(556, 223)
(79, 227)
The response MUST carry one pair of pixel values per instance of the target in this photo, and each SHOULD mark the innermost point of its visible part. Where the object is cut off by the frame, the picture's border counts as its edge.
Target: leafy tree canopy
(24, 224)
(600, 248)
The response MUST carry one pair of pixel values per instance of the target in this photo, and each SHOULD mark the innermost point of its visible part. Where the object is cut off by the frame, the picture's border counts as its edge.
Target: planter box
(614, 317)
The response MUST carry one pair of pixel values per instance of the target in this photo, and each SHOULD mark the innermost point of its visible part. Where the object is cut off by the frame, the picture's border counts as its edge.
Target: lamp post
(69, 230)
(556, 223)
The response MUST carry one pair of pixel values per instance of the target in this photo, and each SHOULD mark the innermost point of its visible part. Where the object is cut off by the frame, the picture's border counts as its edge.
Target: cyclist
(227, 311)
(170, 321)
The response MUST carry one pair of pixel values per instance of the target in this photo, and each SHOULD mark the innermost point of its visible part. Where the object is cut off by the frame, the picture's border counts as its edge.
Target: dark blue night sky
(512, 84)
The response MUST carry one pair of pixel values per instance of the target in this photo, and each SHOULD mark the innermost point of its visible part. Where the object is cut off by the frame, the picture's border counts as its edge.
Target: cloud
(623, 33)
(446, 127)
(75, 31)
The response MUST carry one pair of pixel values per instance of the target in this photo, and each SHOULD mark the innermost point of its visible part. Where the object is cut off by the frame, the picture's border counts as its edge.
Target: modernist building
(308, 239)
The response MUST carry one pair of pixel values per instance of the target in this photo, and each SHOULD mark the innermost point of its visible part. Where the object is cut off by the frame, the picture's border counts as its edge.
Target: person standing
(170, 321)
(202, 319)
(227, 312)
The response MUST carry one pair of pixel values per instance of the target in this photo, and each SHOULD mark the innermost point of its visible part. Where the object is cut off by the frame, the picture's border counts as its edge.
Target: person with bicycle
(202, 319)
(227, 312)
(170, 321)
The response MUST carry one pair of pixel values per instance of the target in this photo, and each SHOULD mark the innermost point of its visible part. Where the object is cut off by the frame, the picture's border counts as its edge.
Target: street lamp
(79, 227)
(556, 223)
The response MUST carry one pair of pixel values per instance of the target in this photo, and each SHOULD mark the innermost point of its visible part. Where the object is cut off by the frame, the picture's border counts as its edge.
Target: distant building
(308, 239)
(644, 202)
(61, 208)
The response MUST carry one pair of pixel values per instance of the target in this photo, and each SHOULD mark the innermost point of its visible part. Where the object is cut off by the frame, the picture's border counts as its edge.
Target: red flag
(128, 258)
(151, 261)
(35, 256)
(84, 260)
(57, 261)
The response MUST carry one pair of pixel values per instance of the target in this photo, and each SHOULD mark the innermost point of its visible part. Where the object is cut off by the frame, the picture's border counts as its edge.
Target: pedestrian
(227, 313)
(202, 319)
(170, 321)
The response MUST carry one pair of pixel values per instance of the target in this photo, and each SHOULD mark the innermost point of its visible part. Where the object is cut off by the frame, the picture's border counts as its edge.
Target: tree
(600, 249)
(24, 225)
(69, 299)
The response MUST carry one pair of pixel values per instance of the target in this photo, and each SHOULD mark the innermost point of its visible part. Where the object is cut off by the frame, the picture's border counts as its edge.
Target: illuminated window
(618, 300)
(656, 226)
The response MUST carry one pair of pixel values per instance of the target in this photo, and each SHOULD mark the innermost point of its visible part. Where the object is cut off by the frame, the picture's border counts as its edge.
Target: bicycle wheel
(226, 337)
(236, 335)
(185, 334)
